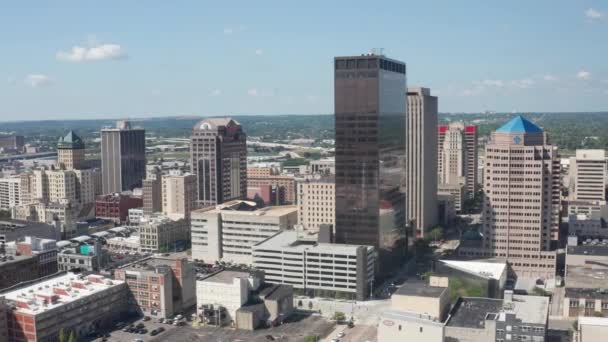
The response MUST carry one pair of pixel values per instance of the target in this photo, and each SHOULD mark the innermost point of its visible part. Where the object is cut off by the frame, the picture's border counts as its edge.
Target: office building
(64, 216)
(318, 268)
(178, 194)
(135, 216)
(460, 139)
(158, 233)
(316, 202)
(272, 304)
(421, 161)
(159, 286)
(266, 194)
(218, 159)
(488, 278)
(370, 115)
(11, 192)
(228, 231)
(522, 198)
(152, 191)
(123, 157)
(591, 329)
(45, 307)
(70, 152)
(514, 318)
(44, 249)
(585, 226)
(16, 230)
(588, 175)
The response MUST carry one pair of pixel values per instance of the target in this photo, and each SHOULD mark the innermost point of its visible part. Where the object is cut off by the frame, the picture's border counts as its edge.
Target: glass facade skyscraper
(370, 114)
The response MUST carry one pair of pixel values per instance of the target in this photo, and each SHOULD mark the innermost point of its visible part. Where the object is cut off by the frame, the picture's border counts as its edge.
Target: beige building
(591, 329)
(70, 152)
(179, 194)
(457, 191)
(522, 199)
(228, 231)
(588, 175)
(159, 233)
(316, 202)
(421, 173)
(152, 191)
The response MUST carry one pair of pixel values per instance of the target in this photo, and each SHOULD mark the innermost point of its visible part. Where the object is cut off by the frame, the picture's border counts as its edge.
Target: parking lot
(118, 335)
(296, 329)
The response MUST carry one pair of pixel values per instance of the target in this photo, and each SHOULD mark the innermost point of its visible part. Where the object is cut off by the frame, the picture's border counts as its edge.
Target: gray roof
(214, 123)
(420, 288)
(592, 293)
(226, 277)
(276, 291)
(472, 312)
(588, 250)
(14, 230)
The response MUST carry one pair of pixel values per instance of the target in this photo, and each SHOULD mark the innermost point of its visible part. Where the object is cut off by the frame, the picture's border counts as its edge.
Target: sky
(62, 59)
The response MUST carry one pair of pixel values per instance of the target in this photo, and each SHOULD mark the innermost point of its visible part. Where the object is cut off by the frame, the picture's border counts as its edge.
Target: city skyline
(101, 62)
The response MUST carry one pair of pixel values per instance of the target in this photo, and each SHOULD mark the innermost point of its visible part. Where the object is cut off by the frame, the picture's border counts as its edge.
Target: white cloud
(216, 92)
(592, 14)
(11, 81)
(523, 83)
(259, 52)
(234, 30)
(99, 52)
(255, 92)
(37, 80)
(549, 78)
(583, 75)
(493, 83)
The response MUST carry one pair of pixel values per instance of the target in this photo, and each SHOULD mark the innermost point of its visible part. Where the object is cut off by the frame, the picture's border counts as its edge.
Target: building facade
(227, 232)
(11, 192)
(70, 152)
(115, 207)
(421, 161)
(285, 185)
(123, 157)
(159, 233)
(159, 286)
(588, 175)
(370, 114)
(522, 198)
(316, 202)
(322, 269)
(179, 195)
(152, 192)
(218, 159)
(457, 134)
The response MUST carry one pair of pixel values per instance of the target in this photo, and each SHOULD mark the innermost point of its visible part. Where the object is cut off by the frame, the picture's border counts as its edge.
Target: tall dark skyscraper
(123, 157)
(218, 158)
(370, 113)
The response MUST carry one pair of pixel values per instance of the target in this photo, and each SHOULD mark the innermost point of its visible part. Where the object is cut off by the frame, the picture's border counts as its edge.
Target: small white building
(399, 326)
(227, 289)
(136, 215)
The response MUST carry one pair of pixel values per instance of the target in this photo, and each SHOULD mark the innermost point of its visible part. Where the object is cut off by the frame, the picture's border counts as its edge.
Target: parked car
(146, 318)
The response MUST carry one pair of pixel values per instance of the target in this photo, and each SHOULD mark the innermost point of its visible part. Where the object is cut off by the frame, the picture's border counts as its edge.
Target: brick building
(115, 207)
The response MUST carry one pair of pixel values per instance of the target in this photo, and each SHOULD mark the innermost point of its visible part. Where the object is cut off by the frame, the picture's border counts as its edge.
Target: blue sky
(84, 59)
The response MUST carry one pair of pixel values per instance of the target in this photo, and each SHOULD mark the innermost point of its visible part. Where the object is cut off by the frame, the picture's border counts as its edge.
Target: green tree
(311, 339)
(72, 337)
(436, 233)
(422, 248)
(62, 337)
(339, 316)
(5, 214)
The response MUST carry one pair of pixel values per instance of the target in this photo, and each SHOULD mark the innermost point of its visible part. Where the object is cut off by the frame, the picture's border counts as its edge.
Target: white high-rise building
(179, 194)
(588, 175)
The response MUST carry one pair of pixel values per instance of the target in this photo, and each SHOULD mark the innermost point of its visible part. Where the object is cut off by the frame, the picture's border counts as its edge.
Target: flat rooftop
(226, 277)
(584, 277)
(410, 316)
(420, 288)
(472, 312)
(57, 291)
(598, 250)
(248, 208)
(13, 259)
(17, 229)
(292, 241)
(482, 269)
(587, 293)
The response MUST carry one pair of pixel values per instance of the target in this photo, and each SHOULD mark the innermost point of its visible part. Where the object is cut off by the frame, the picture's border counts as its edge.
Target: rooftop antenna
(377, 51)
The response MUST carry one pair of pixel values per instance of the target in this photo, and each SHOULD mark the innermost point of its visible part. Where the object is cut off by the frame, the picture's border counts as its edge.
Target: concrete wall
(393, 330)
